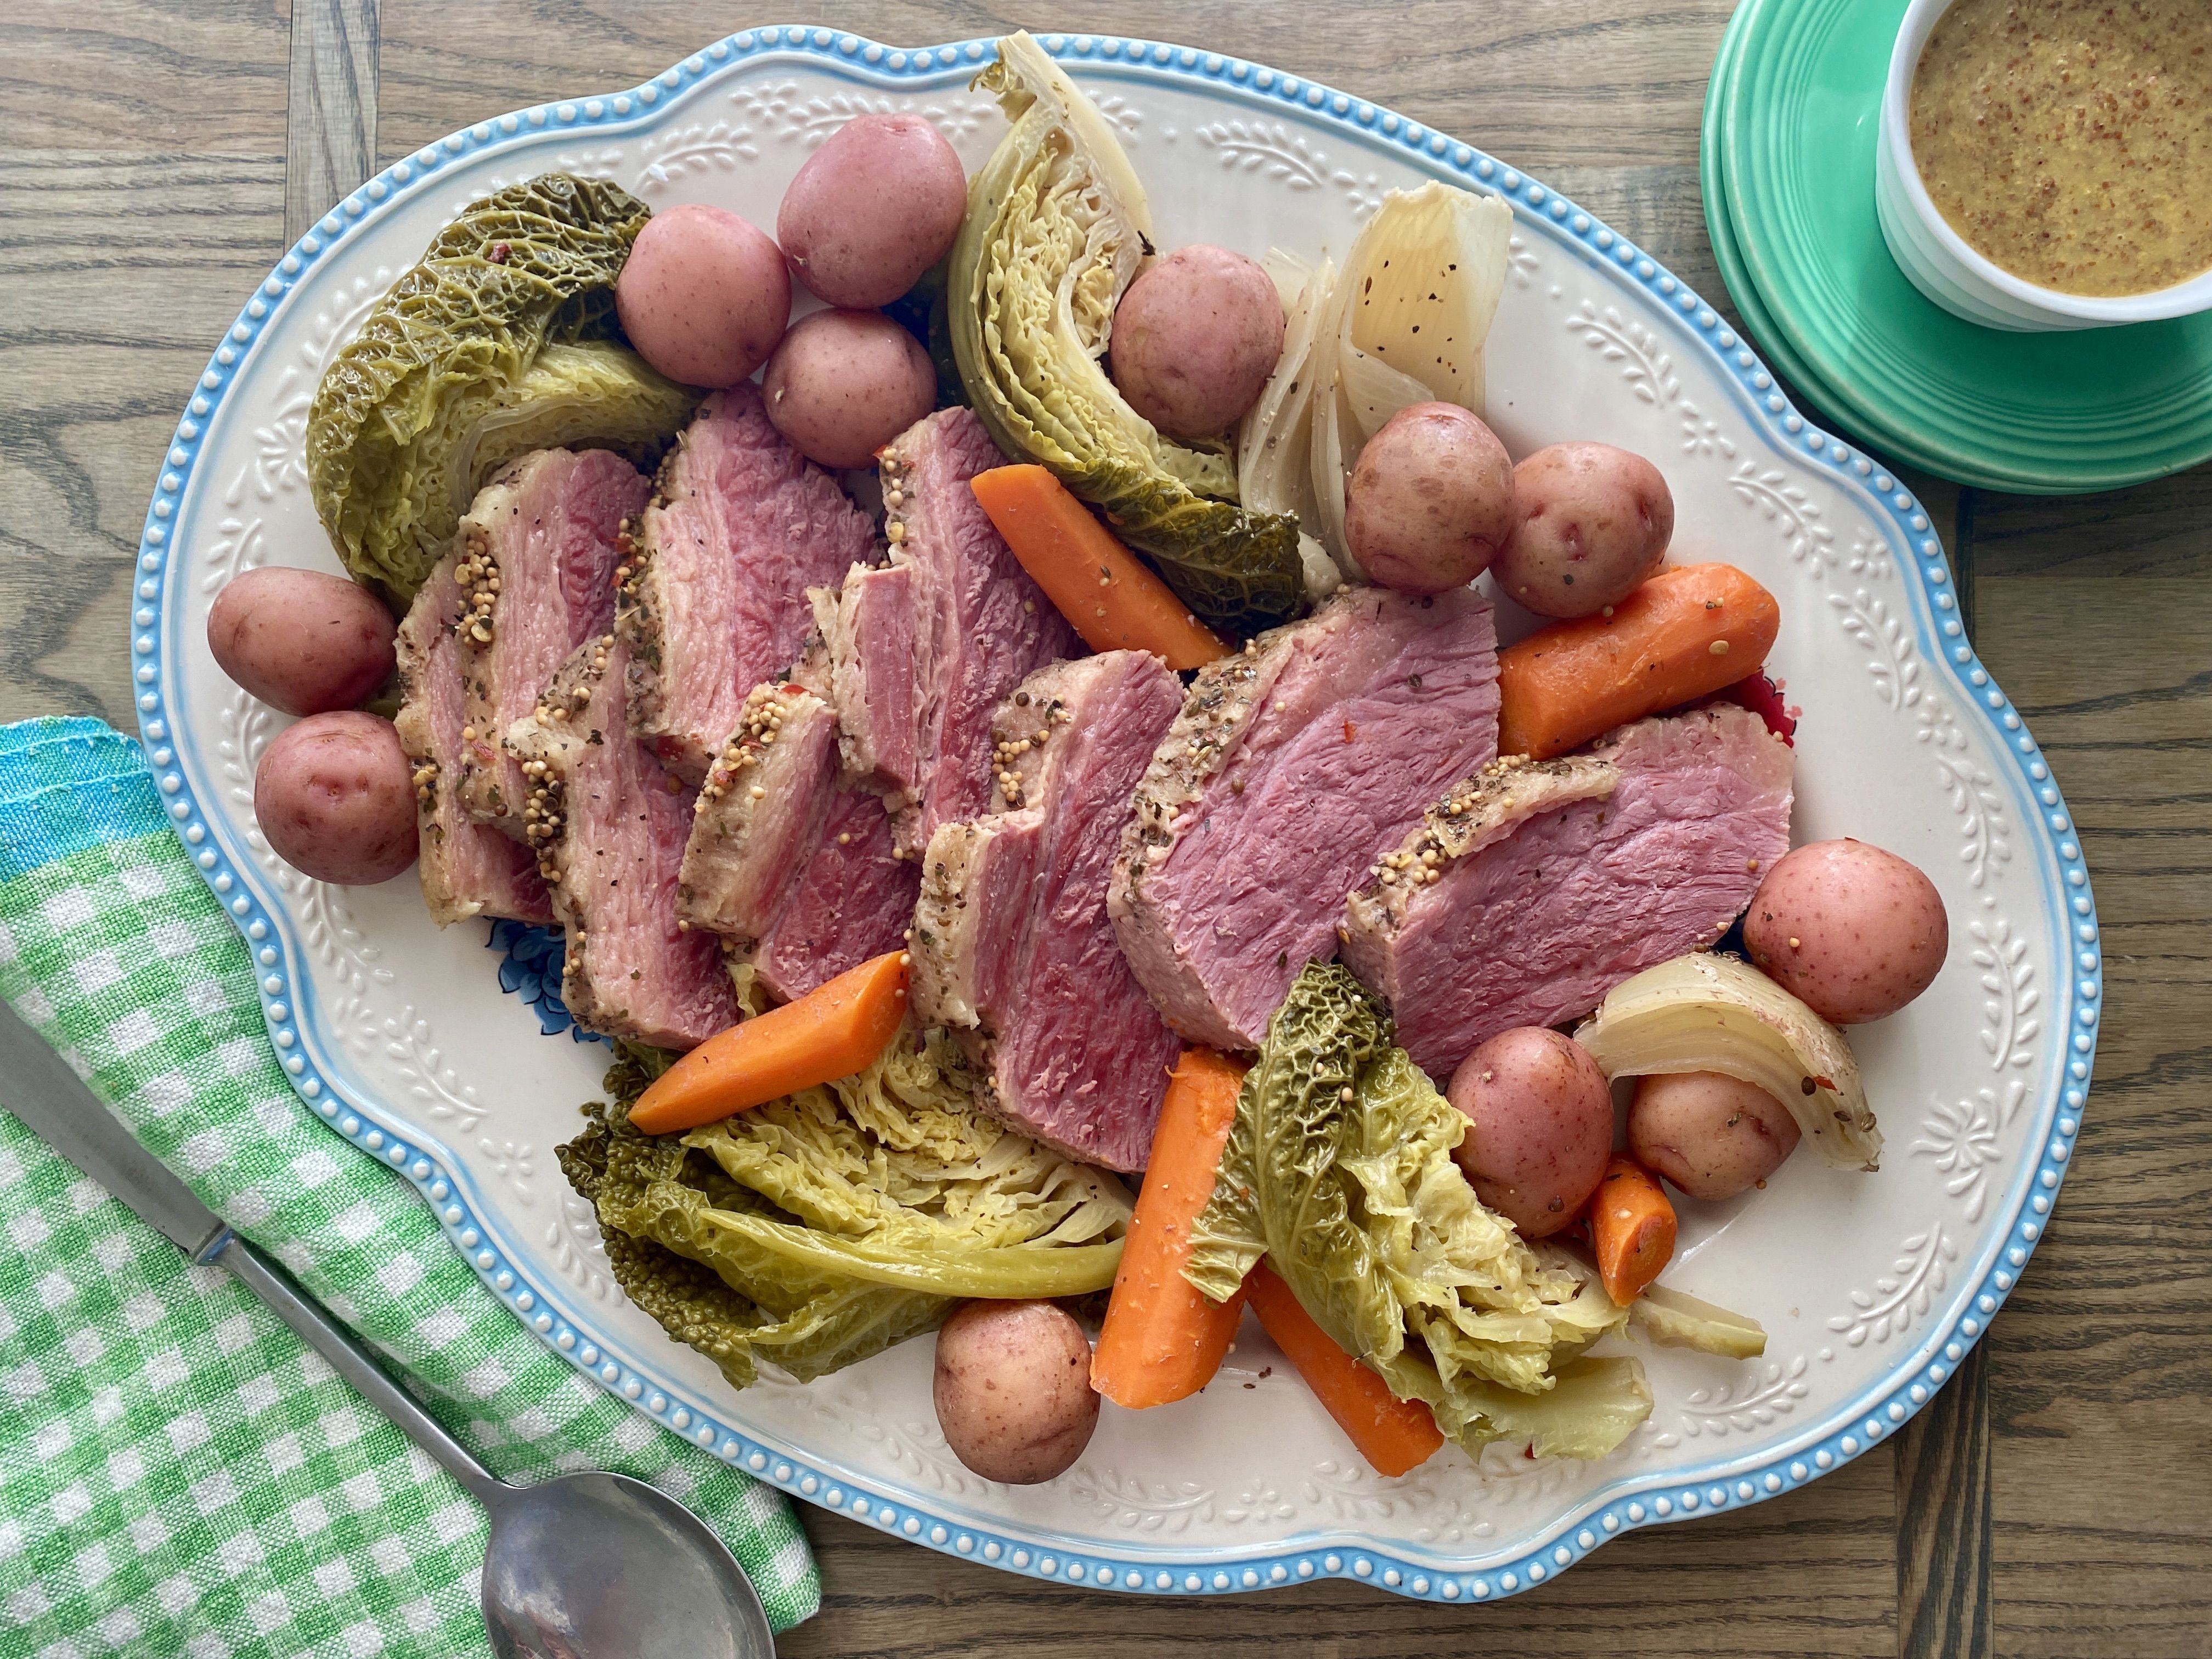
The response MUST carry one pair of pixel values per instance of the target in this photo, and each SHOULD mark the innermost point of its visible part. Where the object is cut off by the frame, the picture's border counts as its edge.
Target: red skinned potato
(1539, 1127)
(872, 209)
(1194, 340)
(1430, 501)
(1594, 522)
(845, 383)
(335, 796)
(1012, 1389)
(1712, 1135)
(301, 641)
(1852, 931)
(704, 295)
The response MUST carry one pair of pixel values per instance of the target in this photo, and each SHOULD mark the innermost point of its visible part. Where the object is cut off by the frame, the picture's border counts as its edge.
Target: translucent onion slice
(1405, 323)
(1703, 1012)
(1674, 1320)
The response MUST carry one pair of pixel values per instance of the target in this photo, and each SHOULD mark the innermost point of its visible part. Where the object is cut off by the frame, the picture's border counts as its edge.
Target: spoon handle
(352, 1362)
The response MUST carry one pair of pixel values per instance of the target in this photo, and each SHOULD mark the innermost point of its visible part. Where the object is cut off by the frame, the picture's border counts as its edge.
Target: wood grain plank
(330, 144)
(121, 274)
(2100, 1374)
(1942, 1460)
(150, 76)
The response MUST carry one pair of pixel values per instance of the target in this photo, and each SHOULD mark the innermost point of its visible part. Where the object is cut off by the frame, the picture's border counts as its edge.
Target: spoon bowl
(595, 1563)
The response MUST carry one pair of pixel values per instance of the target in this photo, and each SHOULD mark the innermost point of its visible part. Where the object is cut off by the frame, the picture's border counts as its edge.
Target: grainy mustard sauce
(2070, 140)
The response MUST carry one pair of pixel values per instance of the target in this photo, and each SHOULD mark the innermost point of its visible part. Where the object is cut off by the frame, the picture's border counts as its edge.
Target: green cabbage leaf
(1338, 1170)
(501, 341)
(1057, 228)
(827, 1226)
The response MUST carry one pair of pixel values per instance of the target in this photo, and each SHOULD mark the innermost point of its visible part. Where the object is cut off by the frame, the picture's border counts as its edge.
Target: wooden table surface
(161, 154)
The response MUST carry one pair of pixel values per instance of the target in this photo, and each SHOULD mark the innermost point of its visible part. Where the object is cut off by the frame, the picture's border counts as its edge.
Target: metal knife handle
(353, 1362)
(38, 1084)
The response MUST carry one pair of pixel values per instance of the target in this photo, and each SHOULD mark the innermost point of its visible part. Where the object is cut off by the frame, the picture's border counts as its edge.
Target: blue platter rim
(1629, 1502)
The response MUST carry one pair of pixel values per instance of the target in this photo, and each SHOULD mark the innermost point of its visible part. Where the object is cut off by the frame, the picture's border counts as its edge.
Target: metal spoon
(585, 1566)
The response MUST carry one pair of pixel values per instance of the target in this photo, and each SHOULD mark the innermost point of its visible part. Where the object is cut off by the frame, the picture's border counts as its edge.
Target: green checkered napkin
(178, 1475)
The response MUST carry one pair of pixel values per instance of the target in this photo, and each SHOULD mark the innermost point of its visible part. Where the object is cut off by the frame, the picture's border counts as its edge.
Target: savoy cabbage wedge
(1338, 1170)
(501, 341)
(824, 1226)
(1057, 228)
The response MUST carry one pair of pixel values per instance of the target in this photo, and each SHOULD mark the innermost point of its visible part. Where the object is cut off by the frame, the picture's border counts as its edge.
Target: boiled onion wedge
(1708, 1012)
(1404, 322)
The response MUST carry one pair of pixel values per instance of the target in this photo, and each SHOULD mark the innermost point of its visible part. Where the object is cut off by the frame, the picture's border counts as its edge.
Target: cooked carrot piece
(1161, 1339)
(832, 1031)
(1682, 636)
(1632, 1228)
(1106, 593)
(1393, 1435)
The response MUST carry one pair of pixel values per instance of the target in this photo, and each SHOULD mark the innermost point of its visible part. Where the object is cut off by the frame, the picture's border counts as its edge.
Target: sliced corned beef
(1012, 949)
(853, 900)
(468, 869)
(611, 823)
(740, 526)
(761, 812)
(1533, 889)
(927, 646)
(538, 550)
(795, 868)
(1292, 768)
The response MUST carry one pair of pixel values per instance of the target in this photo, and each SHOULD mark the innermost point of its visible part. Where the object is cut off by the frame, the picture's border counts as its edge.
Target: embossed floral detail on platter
(513, 1162)
(789, 116)
(1745, 1406)
(2008, 978)
(1962, 1137)
(1904, 1293)
(1786, 506)
(1648, 368)
(705, 147)
(1521, 262)
(579, 1254)
(1267, 150)
(1138, 1506)
(240, 545)
(1870, 557)
(1893, 661)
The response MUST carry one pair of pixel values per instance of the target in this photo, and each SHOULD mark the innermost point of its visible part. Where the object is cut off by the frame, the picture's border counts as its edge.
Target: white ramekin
(1937, 259)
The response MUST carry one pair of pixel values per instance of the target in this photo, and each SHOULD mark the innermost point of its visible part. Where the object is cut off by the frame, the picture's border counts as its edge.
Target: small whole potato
(1430, 501)
(1712, 1135)
(1194, 340)
(704, 295)
(301, 641)
(872, 209)
(1012, 1389)
(845, 383)
(1852, 931)
(1594, 522)
(1539, 1127)
(335, 796)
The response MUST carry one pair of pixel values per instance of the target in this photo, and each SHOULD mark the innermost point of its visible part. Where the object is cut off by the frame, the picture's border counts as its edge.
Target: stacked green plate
(1787, 166)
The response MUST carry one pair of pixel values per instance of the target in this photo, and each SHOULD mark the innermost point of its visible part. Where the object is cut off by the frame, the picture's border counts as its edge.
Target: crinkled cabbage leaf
(1359, 1207)
(1057, 228)
(827, 1226)
(501, 341)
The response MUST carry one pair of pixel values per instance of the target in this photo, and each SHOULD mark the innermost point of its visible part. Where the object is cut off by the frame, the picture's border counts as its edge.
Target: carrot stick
(1394, 1435)
(1682, 636)
(1110, 598)
(1632, 1229)
(832, 1031)
(1161, 1339)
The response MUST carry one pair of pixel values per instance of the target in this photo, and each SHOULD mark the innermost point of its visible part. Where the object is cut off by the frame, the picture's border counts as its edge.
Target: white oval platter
(1872, 1287)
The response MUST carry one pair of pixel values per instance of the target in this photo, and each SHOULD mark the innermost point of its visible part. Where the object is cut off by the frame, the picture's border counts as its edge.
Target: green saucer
(1787, 166)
